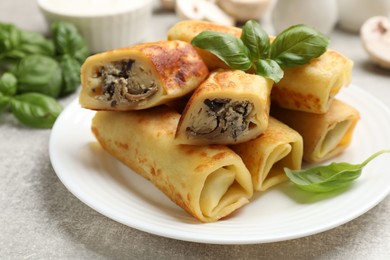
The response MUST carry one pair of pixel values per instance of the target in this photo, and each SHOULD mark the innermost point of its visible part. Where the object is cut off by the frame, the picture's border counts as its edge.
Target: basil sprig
(294, 46)
(330, 177)
(34, 70)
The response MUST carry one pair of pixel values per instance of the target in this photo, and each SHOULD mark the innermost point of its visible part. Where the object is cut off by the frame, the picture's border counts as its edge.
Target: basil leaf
(35, 43)
(328, 177)
(15, 43)
(9, 38)
(35, 110)
(37, 73)
(297, 45)
(70, 74)
(227, 47)
(67, 40)
(4, 101)
(8, 84)
(269, 69)
(255, 39)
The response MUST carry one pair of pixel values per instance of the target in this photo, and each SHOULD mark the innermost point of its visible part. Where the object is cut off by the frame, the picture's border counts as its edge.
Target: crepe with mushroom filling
(140, 76)
(187, 30)
(312, 87)
(324, 135)
(209, 182)
(229, 107)
(266, 156)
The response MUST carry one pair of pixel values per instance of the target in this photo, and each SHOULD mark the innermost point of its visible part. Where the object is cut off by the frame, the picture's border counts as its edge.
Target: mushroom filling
(221, 116)
(126, 81)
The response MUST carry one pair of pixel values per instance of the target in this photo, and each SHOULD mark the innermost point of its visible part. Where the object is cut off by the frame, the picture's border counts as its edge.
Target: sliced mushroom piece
(375, 35)
(205, 10)
(168, 4)
(243, 10)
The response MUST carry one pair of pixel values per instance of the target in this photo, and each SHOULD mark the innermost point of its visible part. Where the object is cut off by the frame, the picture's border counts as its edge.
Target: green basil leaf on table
(297, 45)
(269, 69)
(37, 70)
(255, 39)
(35, 110)
(8, 84)
(9, 38)
(4, 101)
(227, 47)
(13, 57)
(15, 43)
(36, 43)
(67, 40)
(37, 73)
(70, 74)
(330, 177)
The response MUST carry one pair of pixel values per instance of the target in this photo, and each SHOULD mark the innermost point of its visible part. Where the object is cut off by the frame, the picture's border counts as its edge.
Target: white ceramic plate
(282, 213)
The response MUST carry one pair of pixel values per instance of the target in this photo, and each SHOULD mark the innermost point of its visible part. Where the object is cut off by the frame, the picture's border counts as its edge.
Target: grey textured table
(41, 219)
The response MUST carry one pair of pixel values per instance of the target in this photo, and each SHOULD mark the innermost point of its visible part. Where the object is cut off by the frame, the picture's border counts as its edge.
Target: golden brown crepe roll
(229, 107)
(311, 87)
(324, 135)
(265, 157)
(209, 182)
(188, 29)
(140, 76)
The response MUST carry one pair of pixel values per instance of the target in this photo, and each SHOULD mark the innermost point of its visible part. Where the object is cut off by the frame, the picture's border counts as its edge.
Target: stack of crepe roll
(305, 97)
(203, 133)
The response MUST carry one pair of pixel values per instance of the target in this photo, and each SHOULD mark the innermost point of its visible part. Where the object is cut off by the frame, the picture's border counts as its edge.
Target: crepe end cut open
(209, 182)
(324, 135)
(140, 76)
(267, 155)
(229, 107)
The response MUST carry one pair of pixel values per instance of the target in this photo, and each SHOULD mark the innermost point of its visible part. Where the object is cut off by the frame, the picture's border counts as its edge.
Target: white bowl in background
(105, 24)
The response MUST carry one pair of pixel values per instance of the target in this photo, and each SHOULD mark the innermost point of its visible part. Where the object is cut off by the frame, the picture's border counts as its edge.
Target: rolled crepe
(140, 76)
(229, 107)
(324, 135)
(266, 156)
(188, 29)
(310, 87)
(209, 182)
